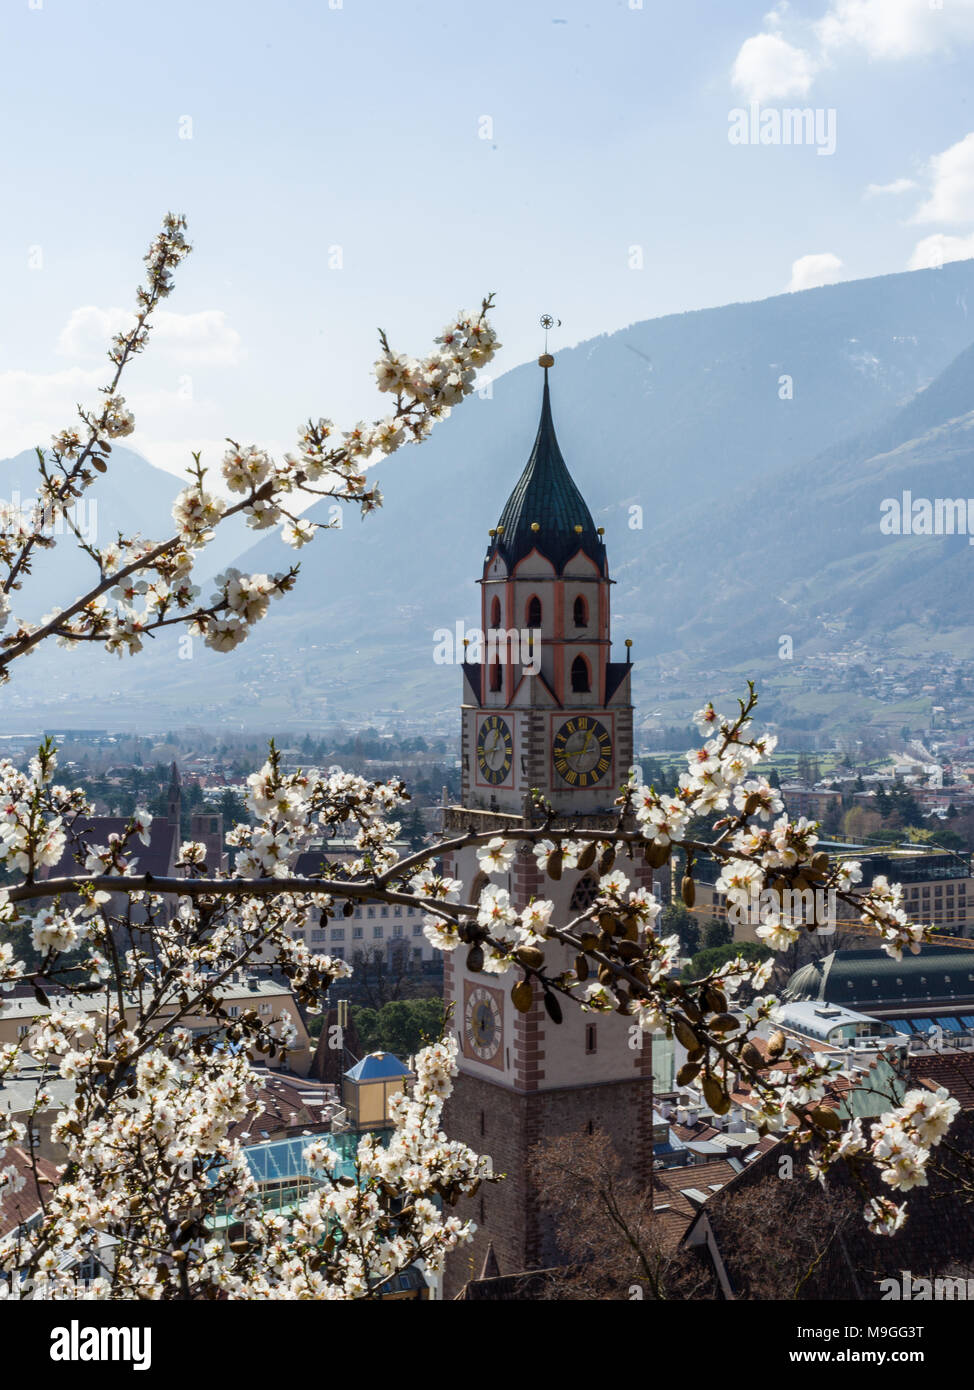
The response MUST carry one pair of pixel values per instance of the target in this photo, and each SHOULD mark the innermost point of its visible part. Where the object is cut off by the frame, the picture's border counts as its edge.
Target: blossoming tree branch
(127, 960)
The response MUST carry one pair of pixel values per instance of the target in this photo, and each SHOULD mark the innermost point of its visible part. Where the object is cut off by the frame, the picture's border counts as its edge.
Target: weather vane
(546, 321)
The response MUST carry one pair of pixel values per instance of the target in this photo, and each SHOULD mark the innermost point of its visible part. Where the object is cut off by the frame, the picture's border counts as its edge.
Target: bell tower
(545, 707)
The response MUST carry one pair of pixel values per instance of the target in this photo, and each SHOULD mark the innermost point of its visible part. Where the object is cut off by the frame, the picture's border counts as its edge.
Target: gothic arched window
(581, 681)
(495, 612)
(534, 612)
(495, 676)
(581, 612)
(586, 891)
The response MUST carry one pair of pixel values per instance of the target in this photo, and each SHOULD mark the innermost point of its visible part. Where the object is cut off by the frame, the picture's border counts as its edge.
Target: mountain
(801, 551)
(689, 437)
(132, 497)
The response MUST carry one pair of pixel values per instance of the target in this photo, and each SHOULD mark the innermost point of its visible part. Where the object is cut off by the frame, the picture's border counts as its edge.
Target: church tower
(546, 707)
(174, 797)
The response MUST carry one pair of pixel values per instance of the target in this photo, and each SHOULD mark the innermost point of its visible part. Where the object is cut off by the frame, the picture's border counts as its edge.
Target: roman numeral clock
(582, 751)
(495, 750)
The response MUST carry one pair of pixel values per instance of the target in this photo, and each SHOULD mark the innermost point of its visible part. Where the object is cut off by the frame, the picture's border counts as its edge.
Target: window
(23, 1029)
(234, 1011)
(377, 933)
(357, 934)
(590, 1041)
(495, 612)
(580, 612)
(534, 612)
(265, 1006)
(383, 912)
(318, 934)
(580, 677)
(371, 912)
(495, 676)
(338, 933)
(397, 929)
(397, 912)
(417, 930)
(586, 890)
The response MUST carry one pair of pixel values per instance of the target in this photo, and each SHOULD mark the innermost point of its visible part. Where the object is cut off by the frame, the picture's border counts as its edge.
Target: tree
(705, 962)
(155, 1105)
(381, 974)
(608, 1240)
(232, 809)
(714, 932)
(401, 1026)
(135, 959)
(801, 1223)
(676, 918)
(413, 829)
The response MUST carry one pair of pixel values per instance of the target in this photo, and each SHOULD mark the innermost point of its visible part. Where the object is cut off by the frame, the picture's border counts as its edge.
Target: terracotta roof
(289, 1105)
(670, 1186)
(954, 1070)
(18, 1207)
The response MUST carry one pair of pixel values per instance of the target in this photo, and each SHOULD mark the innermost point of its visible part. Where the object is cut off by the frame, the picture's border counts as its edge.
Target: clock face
(482, 1022)
(495, 750)
(582, 751)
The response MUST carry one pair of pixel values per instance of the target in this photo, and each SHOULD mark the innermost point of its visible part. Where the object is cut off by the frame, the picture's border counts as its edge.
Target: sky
(351, 164)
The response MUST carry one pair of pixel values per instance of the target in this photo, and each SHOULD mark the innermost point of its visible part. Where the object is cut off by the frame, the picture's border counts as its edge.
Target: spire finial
(546, 360)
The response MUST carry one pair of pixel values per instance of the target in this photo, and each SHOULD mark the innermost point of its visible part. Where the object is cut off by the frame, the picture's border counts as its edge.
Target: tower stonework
(550, 711)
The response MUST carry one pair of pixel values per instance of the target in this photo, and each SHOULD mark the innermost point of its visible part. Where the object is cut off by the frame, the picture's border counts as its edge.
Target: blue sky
(438, 150)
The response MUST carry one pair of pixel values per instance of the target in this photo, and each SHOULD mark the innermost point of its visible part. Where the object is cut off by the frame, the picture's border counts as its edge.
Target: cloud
(809, 272)
(896, 29)
(873, 190)
(203, 339)
(934, 251)
(36, 405)
(951, 185)
(768, 67)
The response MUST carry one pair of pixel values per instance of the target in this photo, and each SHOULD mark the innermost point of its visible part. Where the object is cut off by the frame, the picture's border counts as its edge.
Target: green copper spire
(546, 512)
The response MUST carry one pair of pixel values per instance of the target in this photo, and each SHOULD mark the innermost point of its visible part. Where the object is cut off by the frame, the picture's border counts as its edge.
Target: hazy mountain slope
(802, 552)
(132, 497)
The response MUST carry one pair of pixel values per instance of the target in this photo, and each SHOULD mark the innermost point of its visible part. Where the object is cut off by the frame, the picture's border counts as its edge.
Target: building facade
(938, 888)
(549, 711)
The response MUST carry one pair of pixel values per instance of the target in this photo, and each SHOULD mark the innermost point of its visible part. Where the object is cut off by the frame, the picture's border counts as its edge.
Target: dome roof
(939, 974)
(546, 494)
